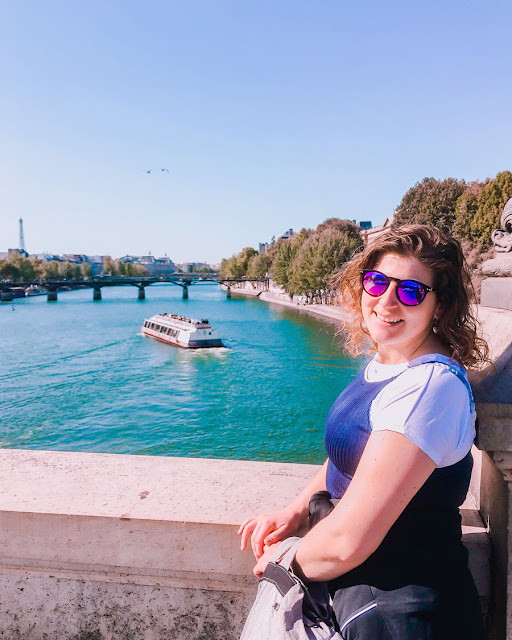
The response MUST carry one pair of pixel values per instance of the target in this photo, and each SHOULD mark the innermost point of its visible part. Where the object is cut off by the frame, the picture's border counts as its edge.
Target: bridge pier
(52, 295)
(96, 293)
(228, 291)
(185, 292)
(6, 296)
(142, 294)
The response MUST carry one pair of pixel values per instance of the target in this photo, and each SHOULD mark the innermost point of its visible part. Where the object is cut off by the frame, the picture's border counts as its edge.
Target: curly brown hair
(457, 326)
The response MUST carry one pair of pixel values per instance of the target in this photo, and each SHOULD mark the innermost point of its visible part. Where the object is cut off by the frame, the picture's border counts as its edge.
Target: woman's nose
(389, 297)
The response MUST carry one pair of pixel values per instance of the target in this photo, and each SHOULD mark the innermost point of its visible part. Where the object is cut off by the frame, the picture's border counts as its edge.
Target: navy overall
(416, 585)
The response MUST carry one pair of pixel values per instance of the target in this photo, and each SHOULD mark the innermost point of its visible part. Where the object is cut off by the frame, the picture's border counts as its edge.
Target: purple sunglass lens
(374, 283)
(410, 293)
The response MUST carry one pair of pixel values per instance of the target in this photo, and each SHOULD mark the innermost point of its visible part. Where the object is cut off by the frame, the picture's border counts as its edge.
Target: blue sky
(268, 114)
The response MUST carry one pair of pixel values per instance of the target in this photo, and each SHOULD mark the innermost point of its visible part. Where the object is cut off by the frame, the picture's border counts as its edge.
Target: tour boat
(184, 332)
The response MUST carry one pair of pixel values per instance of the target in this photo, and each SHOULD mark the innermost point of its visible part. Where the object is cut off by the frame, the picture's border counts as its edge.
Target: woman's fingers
(257, 540)
(263, 528)
(245, 531)
(244, 524)
(262, 562)
(276, 536)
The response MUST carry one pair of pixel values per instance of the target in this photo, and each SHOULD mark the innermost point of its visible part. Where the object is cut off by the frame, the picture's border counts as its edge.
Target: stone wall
(112, 546)
(128, 547)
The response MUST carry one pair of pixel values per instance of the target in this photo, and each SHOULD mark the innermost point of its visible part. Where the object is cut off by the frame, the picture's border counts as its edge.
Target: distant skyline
(265, 115)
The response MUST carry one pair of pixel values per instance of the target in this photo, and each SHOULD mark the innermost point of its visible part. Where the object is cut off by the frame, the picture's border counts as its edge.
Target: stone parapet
(493, 395)
(115, 546)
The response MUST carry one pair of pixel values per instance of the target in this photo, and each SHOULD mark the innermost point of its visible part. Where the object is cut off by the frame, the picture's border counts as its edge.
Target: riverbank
(324, 310)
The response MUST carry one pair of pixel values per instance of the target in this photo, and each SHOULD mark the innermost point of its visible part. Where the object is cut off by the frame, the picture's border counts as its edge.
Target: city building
(287, 235)
(371, 234)
(154, 266)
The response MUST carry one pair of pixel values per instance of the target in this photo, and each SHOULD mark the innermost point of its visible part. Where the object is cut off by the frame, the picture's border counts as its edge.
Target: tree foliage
(465, 210)
(491, 201)
(22, 269)
(119, 268)
(320, 256)
(259, 265)
(202, 268)
(302, 264)
(237, 266)
(430, 201)
(284, 255)
(85, 270)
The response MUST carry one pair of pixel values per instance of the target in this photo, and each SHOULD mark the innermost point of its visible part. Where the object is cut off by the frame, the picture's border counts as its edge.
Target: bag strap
(316, 601)
(285, 554)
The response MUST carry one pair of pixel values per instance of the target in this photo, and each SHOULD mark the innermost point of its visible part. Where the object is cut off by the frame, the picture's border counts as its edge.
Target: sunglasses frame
(424, 287)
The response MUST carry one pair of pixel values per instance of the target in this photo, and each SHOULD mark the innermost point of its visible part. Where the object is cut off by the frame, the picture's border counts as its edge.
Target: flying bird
(150, 170)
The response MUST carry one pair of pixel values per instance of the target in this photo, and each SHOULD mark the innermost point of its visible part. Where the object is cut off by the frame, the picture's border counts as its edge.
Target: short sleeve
(430, 406)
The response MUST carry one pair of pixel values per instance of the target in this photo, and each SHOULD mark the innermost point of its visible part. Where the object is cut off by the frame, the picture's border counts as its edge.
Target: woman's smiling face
(401, 332)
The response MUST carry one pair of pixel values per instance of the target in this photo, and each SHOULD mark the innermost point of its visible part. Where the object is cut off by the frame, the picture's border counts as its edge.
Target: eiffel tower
(21, 246)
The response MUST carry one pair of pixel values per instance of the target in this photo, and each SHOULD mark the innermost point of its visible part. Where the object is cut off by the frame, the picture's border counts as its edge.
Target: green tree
(244, 257)
(229, 268)
(236, 266)
(9, 270)
(69, 270)
(85, 270)
(465, 210)
(108, 266)
(491, 201)
(51, 270)
(284, 254)
(430, 201)
(259, 265)
(202, 268)
(129, 269)
(23, 266)
(139, 270)
(320, 256)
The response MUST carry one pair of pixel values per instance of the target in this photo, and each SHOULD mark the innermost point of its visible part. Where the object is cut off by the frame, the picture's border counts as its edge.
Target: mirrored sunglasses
(410, 293)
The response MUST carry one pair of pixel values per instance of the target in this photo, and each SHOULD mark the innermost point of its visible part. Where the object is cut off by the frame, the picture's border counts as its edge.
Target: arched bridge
(9, 289)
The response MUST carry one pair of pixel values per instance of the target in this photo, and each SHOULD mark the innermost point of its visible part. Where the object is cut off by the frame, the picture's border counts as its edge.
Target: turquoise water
(77, 375)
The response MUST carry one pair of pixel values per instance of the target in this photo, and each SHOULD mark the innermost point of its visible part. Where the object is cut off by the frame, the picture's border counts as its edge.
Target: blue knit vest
(424, 546)
(347, 430)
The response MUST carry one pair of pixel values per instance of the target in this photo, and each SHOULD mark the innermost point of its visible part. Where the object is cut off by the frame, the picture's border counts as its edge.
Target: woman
(398, 440)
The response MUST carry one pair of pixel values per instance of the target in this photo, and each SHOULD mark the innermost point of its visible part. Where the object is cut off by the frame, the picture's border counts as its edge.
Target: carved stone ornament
(502, 238)
(503, 460)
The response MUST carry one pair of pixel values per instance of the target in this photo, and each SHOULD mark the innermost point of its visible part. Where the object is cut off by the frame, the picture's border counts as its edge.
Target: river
(77, 375)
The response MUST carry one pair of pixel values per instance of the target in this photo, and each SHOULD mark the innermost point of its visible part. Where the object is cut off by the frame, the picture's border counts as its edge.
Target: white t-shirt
(428, 403)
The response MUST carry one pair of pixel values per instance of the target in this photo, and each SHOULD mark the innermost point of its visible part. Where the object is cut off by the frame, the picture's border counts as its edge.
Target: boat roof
(173, 318)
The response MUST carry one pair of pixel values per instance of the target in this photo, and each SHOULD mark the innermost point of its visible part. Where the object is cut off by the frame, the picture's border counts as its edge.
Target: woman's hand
(261, 565)
(267, 529)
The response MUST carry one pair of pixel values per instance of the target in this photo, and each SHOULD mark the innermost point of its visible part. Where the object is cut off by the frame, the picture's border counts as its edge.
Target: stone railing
(116, 546)
(492, 481)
